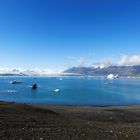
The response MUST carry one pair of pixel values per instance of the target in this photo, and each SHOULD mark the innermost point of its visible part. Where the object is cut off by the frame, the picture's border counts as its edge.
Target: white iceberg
(57, 90)
(112, 76)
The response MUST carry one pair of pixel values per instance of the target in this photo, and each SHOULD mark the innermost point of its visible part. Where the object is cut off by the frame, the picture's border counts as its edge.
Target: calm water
(73, 90)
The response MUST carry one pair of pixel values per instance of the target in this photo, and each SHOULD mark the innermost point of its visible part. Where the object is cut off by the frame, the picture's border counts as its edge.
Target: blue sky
(57, 34)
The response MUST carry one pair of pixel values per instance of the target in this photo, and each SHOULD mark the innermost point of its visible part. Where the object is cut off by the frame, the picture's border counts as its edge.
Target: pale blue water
(73, 91)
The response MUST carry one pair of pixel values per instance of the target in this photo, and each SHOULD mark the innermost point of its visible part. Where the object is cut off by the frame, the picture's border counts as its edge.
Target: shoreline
(65, 76)
(28, 121)
(77, 105)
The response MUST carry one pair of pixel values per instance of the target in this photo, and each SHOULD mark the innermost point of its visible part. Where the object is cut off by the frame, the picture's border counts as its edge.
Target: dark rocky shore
(26, 122)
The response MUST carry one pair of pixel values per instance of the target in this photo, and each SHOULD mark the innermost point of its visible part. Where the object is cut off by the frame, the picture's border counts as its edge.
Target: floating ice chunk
(112, 76)
(57, 90)
(11, 91)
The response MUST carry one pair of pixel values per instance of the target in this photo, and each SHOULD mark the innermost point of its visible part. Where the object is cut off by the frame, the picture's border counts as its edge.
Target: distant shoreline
(12, 75)
(43, 105)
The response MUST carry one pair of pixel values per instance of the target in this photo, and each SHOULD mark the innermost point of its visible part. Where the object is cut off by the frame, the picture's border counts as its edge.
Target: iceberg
(112, 76)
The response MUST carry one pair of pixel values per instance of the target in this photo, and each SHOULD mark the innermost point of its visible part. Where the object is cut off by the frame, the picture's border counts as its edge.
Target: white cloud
(6, 70)
(40, 72)
(76, 61)
(129, 60)
(125, 60)
(104, 64)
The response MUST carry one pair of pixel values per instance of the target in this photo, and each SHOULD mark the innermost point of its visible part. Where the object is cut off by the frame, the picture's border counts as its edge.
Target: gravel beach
(49, 122)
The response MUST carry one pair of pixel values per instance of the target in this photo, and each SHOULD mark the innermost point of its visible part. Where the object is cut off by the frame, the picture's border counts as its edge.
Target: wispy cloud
(29, 71)
(103, 64)
(129, 60)
(125, 60)
(75, 61)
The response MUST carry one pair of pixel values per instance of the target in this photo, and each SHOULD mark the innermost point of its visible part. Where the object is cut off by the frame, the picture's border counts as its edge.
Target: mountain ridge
(119, 70)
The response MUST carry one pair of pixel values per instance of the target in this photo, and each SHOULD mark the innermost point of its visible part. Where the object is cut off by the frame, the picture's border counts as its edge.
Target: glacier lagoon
(96, 91)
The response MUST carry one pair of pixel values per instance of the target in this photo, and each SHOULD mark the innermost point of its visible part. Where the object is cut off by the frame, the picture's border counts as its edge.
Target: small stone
(110, 118)
(74, 129)
(4, 131)
(83, 134)
(126, 136)
(122, 114)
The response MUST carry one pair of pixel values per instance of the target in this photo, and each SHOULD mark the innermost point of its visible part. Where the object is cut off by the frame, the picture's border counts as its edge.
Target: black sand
(26, 122)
